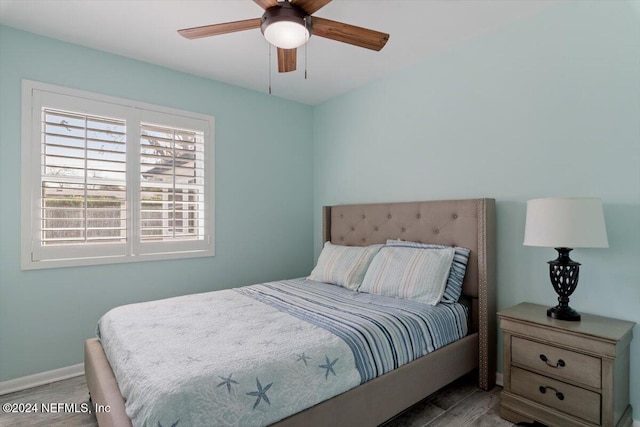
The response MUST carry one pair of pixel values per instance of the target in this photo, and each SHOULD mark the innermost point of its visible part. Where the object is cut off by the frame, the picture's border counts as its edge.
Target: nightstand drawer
(573, 400)
(573, 367)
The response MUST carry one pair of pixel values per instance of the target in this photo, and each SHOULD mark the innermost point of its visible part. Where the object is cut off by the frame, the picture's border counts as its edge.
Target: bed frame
(466, 223)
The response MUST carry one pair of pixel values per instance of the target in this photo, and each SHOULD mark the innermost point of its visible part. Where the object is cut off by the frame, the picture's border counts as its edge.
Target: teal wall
(263, 201)
(548, 106)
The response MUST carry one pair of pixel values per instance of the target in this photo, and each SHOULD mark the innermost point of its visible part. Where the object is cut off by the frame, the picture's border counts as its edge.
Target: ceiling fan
(288, 24)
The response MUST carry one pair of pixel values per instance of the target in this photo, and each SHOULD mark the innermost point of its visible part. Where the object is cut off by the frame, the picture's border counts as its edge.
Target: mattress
(254, 355)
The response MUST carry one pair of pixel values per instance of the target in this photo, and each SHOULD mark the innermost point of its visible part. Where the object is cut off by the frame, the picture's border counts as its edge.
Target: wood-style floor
(457, 405)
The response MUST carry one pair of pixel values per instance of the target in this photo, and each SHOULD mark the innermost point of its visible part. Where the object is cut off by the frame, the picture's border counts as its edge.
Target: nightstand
(562, 373)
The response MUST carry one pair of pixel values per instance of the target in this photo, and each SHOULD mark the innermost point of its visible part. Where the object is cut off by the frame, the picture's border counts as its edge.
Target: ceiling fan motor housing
(285, 13)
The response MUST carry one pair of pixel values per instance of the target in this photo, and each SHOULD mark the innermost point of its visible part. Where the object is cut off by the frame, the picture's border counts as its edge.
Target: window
(107, 180)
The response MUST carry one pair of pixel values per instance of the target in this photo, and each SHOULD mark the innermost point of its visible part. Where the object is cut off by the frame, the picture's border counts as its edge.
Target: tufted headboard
(465, 223)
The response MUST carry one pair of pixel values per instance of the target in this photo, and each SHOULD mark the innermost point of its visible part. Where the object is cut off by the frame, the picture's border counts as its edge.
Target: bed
(465, 223)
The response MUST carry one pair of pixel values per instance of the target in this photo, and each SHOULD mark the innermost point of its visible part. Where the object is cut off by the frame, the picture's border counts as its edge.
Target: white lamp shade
(575, 222)
(286, 34)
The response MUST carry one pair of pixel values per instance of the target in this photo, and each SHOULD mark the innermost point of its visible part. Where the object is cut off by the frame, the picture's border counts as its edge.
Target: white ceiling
(146, 30)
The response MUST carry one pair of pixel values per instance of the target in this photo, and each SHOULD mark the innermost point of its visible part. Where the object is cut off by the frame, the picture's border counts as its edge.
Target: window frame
(35, 96)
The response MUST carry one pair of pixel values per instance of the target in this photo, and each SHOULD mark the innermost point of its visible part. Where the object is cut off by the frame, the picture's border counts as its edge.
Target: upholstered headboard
(465, 223)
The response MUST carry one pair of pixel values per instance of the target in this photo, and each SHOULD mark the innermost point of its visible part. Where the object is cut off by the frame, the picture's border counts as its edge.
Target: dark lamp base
(564, 272)
(563, 313)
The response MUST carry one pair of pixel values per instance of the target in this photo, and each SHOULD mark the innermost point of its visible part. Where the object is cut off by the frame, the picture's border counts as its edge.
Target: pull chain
(269, 44)
(308, 24)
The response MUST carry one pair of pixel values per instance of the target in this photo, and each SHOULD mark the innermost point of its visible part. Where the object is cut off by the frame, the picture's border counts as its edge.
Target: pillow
(414, 273)
(343, 265)
(453, 290)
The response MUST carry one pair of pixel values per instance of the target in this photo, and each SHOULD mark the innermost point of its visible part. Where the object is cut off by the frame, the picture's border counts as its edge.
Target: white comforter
(252, 356)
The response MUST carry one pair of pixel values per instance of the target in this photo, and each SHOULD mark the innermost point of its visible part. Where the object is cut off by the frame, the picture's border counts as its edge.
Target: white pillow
(413, 273)
(343, 265)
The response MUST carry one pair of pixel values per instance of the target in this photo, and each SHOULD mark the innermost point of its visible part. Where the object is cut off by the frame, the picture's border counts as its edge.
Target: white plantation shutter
(172, 185)
(109, 180)
(173, 193)
(83, 180)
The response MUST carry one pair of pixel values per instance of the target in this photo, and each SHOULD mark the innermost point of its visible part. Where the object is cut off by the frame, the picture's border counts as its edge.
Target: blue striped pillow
(453, 289)
(411, 273)
(343, 265)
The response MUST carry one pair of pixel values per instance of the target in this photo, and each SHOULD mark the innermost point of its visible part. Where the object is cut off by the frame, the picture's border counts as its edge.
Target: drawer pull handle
(559, 395)
(559, 364)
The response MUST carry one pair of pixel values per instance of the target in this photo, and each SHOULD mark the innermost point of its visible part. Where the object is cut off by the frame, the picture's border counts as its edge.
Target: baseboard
(35, 380)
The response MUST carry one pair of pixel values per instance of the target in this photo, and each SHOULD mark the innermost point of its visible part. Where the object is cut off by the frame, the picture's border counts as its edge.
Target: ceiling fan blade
(266, 4)
(357, 36)
(217, 29)
(287, 60)
(310, 6)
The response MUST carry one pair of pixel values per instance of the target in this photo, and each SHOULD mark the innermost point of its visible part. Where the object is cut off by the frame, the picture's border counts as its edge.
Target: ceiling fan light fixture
(286, 34)
(285, 26)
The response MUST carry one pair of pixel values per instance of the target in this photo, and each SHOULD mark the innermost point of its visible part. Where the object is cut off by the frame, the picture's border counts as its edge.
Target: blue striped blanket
(252, 356)
(383, 333)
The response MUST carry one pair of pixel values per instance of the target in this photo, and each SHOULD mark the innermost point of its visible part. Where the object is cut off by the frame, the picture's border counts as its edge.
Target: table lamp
(564, 224)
